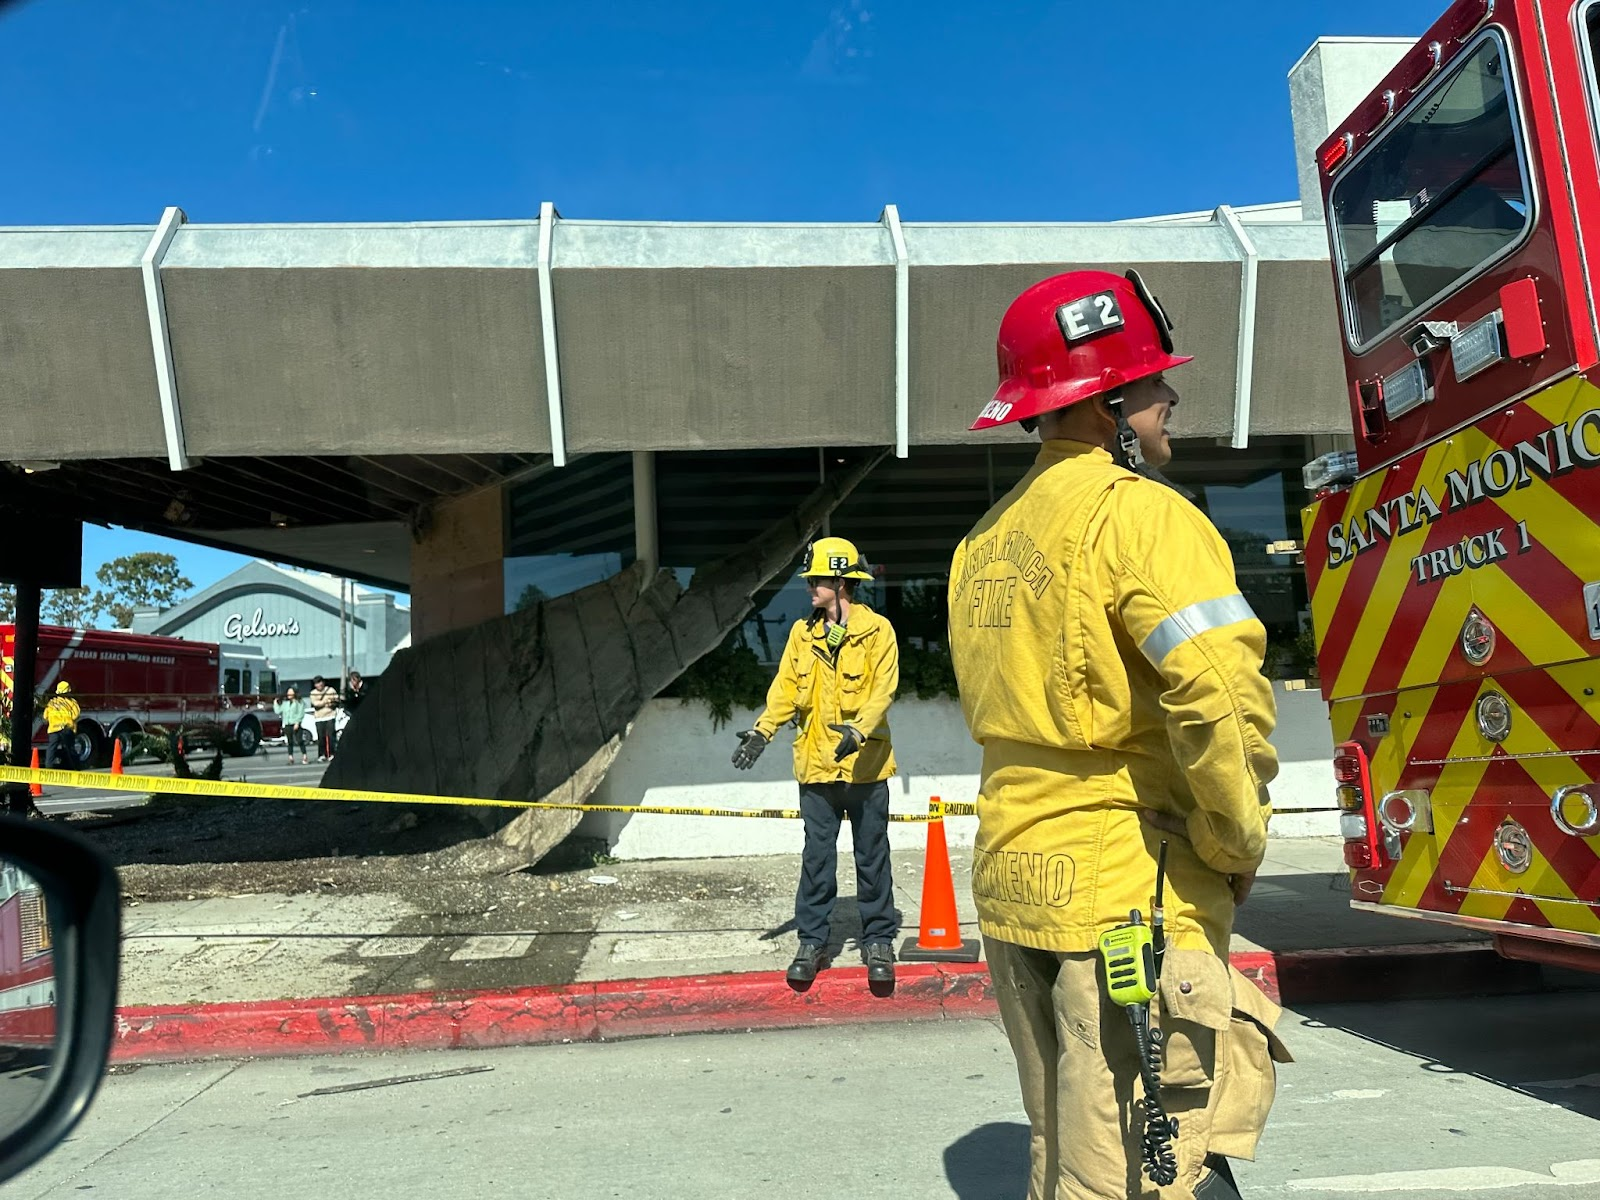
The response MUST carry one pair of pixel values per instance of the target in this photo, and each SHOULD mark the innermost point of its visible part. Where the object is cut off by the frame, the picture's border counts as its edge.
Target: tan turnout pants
(1079, 1068)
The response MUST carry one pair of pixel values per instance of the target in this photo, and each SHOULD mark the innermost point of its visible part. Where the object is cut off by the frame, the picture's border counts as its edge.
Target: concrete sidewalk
(642, 949)
(613, 922)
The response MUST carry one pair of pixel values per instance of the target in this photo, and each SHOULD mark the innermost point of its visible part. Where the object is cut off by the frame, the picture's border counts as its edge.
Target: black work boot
(1217, 1181)
(880, 963)
(808, 960)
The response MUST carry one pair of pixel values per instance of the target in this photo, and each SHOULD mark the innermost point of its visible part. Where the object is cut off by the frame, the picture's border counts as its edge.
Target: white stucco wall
(673, 757)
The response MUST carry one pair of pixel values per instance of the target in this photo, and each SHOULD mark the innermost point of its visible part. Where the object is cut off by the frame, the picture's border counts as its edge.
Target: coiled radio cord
(1156, 1153)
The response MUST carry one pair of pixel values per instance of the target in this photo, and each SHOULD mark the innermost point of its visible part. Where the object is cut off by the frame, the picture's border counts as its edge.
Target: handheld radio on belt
(1132, 954)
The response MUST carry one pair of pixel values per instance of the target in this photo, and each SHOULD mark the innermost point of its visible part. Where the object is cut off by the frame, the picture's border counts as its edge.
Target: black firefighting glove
(851, 739)
(751, 744)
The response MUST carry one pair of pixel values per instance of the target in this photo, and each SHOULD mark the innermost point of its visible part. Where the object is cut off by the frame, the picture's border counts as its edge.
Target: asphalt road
(268, 765)
(1426, 1099)
(24, 1071)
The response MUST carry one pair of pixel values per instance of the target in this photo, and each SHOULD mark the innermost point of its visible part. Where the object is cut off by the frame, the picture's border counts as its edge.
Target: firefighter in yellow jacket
(1111, 671)
(61, 720)
(838, 675)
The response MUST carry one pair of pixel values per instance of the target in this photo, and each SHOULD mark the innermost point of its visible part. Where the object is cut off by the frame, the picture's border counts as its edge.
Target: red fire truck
(125, 682)
(27, 968)
(1454, 557)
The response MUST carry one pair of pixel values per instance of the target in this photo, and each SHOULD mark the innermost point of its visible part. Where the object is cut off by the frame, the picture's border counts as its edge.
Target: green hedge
(732, 677)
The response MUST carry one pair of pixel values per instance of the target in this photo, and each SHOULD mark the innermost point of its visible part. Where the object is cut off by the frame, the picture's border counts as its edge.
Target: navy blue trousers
(824, 806)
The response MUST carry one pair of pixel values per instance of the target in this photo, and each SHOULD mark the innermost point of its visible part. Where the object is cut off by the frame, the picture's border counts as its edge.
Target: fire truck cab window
(1436, 198)
(230, 681)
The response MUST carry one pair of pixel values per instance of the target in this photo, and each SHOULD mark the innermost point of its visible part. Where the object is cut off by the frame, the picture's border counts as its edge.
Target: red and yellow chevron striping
(1502, 518)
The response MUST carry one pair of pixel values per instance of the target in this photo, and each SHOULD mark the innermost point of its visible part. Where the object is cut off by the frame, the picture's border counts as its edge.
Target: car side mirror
(60, 930)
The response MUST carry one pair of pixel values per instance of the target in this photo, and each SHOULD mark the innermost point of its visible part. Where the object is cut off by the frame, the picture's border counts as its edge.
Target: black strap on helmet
(1130, 455)
(1127, 451)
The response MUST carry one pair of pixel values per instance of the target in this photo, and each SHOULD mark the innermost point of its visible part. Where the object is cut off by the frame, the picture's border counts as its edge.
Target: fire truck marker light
(1406, 389)
(1477, 347)
(1350, 799)
(1353, 827)
(1337, 466)
(1337, 152)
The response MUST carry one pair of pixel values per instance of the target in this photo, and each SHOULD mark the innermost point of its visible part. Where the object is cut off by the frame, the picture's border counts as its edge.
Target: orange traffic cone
(939, 939)
(116, 756)
(34, 789)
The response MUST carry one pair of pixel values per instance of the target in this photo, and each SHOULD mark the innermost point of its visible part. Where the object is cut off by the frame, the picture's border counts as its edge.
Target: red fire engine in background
(1454, 557)
(126, 682)
(27, 966)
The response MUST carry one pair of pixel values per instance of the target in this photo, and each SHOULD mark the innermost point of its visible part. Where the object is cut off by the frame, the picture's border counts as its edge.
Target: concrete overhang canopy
(77, 378)
(425, 339)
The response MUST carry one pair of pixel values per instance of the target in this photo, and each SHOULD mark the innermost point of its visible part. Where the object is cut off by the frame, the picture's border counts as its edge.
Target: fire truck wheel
(128, 734)
(92, 746)
(246, 738)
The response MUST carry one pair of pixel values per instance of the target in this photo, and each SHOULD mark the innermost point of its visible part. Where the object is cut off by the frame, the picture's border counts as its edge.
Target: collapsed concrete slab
(535, 705)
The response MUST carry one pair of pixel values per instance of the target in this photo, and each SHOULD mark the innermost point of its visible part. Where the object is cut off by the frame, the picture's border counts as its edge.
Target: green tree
(76, 608)
(144, 580)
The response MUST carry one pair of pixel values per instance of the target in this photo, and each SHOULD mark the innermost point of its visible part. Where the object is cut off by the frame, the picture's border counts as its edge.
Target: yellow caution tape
(268, 791)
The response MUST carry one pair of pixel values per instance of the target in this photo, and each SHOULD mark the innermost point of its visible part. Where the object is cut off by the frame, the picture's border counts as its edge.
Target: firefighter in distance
(1111, 671)
(61, 714)
(836, 680)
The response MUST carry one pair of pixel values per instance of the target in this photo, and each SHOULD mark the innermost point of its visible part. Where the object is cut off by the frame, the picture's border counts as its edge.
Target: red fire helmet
(1074, 336)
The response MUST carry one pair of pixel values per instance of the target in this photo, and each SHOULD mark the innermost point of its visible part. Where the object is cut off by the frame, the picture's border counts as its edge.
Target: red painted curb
(613, 1010)
(580, 1012)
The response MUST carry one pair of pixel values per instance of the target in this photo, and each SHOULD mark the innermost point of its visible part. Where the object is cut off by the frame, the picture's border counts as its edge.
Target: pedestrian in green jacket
(293, 711)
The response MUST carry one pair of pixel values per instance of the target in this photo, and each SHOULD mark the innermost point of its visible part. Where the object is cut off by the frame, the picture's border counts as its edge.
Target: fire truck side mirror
(58, 964)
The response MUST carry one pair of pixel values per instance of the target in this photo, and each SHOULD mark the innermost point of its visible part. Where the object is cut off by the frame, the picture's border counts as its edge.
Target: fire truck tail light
(1357, 821)
(1358, 855)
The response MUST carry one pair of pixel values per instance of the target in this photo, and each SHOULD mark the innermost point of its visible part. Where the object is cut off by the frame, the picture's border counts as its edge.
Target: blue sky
(246, 111)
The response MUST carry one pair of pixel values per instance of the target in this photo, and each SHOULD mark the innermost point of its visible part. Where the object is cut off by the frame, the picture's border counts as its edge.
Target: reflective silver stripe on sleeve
(1191, 622)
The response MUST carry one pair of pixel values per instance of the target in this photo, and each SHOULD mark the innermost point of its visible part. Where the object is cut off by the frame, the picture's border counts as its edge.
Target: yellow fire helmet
(63, 688)
(834, 558)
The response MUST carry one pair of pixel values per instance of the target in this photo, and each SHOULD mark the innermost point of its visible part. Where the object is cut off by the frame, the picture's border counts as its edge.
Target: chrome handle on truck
(1406, 811)
(1558, 806)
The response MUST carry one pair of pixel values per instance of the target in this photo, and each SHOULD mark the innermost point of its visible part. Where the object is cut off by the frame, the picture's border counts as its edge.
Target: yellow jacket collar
(1061, 449)
(862, 621)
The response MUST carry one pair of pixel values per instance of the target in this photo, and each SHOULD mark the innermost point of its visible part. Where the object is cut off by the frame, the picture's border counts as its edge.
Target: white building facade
(309, 624)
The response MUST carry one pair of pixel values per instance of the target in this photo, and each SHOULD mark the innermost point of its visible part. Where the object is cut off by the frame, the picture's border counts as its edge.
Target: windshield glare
(1441, 194)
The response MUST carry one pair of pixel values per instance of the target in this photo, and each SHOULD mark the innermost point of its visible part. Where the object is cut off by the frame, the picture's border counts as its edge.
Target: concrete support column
(646, 531)
(24, 676)
(1330, 79)
(458, 566)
